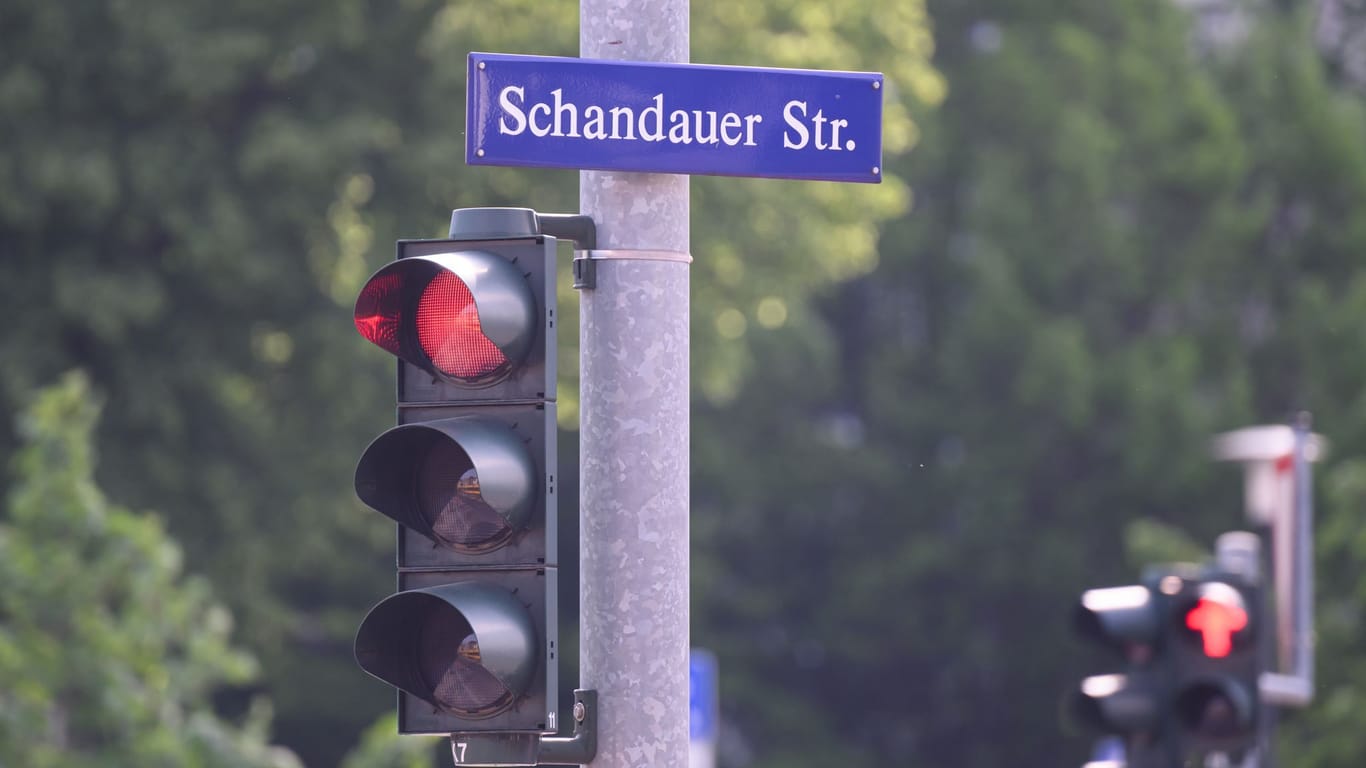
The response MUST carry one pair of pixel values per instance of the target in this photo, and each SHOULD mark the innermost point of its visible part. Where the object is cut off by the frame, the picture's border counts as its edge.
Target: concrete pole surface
(634, 422)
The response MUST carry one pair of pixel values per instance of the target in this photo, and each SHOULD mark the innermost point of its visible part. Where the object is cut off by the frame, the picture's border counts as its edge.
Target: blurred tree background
(1122, 229)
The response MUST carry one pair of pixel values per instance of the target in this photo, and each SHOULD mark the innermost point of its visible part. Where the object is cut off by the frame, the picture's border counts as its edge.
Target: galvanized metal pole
(633, 436)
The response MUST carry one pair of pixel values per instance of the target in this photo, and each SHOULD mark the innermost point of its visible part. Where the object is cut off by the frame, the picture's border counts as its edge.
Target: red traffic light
(449, 332)
(464, 316)
(1218, 615)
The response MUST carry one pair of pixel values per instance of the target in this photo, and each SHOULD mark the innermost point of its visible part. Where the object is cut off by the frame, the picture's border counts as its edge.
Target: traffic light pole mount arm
(583, 232)
(582, 747)
(523, 750)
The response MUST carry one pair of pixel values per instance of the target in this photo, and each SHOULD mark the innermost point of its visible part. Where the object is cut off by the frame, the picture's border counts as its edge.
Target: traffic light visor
(1114, 704)
(466, 483)
(466, 648)
(464, 316)
(1117, 616)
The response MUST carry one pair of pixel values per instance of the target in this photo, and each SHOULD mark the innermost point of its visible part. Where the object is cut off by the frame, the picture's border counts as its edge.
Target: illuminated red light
(378, 316)
(1216, 622)
(449, 332)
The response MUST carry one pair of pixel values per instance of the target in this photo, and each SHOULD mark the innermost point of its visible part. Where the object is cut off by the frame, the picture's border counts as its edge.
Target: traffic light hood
(394, 642)
(1115, 703)
(392, 473)
(467, 316)
(1117, 616)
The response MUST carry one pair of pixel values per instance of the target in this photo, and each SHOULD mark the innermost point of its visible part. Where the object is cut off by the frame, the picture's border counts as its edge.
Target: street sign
(702, 695)
(552, 112)
(703, 708)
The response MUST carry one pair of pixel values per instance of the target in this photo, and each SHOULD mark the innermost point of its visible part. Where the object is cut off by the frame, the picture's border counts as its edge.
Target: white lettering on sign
(653, 122)
(794, 114)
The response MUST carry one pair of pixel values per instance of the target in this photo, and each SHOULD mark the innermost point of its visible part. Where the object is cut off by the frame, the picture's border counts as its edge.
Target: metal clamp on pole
(585, 272)
(585, 264)
(583, 232)
(522, 750)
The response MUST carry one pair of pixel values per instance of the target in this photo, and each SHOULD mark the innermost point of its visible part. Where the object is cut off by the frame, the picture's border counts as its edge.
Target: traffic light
(1216, 664)
(1190, 639)
(468, 474)
(1127, 620)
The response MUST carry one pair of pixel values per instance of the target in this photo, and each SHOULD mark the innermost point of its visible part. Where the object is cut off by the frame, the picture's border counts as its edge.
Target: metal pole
(1302, 642)
(633, 435)
(1240, 553)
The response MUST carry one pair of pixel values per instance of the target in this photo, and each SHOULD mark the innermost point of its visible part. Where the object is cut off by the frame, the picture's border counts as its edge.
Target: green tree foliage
(174, 202)
(764, 246)
(1307, 292)
(1122, 239)
(108, 651)
(381, 747)
(192, 192)
(1019, 376)
(1328, 735)
(1125, 238)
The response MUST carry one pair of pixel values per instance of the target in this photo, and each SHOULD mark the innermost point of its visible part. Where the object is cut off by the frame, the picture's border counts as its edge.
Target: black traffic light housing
(1189, 637)
(509, 449)
(1216, 658)
(470, 640)
(467, 654)
(1128, 621)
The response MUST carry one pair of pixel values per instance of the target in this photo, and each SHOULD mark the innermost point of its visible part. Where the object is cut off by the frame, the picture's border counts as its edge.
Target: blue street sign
(702, 696)
(551, 112)
(1108, 750)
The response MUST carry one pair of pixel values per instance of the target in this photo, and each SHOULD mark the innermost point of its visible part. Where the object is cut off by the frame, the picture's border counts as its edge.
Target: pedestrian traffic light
(1127, 620)
(1214, 641)
(468, 475)
(1189, 693)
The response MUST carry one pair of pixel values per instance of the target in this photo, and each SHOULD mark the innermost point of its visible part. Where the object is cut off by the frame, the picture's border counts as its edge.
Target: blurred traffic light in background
(1128, 621)
(1216, 664)
(470, 638)
(1189, 639)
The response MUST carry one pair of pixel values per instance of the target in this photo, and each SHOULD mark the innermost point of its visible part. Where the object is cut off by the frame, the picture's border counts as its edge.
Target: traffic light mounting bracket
(507, 750)
(581, 230)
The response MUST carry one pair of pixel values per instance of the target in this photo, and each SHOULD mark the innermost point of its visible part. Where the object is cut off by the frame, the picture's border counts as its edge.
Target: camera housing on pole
(1278, 496)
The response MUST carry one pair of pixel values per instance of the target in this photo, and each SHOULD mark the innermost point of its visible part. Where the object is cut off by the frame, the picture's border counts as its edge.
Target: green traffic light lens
(452, 668)
(450, 500)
